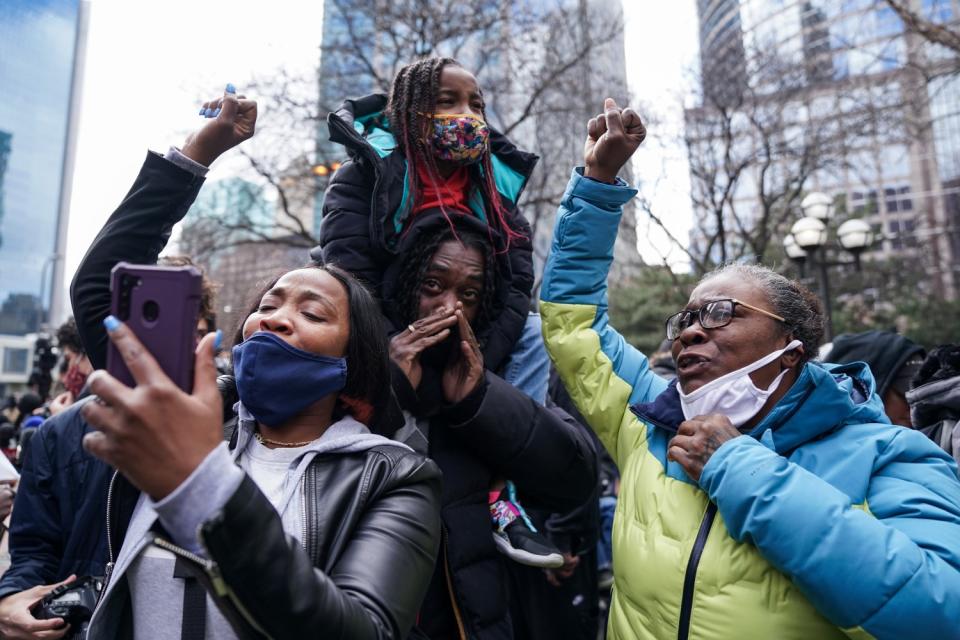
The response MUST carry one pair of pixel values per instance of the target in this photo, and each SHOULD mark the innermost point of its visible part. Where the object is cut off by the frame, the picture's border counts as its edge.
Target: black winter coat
(372, 530)
(365, 227)
(495, 433)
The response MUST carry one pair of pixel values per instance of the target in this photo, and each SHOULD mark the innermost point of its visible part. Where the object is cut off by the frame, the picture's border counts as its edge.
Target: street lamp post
(809, 235)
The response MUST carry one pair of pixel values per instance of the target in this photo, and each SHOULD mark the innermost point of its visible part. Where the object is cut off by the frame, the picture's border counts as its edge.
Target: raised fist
(233, 119)
(612, 137)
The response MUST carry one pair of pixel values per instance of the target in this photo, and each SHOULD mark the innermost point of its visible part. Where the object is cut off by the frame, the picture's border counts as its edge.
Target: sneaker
(515, 535)
(524, 546)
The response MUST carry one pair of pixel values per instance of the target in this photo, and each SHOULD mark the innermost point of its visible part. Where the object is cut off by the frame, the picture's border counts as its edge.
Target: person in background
(33, 412)
(893, 360)
(661, 361)
(935, 398)
(763, 494)
(9, 412)
(76, 367)
(207, 322)
(30, 411)
(8, 441)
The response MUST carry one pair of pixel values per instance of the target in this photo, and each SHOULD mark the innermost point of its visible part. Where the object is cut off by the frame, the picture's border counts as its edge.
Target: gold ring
(411, 328)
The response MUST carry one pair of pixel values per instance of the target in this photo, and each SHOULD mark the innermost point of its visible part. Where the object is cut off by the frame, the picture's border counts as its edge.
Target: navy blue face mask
(276, 381)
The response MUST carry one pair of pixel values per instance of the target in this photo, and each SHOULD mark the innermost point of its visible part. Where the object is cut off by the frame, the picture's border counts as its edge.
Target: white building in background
(854, 56)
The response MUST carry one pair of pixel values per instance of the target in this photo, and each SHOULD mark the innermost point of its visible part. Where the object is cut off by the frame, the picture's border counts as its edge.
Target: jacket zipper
(108, 571)
(453, 598)
(212, 572)
(303, 514)
(689, 580)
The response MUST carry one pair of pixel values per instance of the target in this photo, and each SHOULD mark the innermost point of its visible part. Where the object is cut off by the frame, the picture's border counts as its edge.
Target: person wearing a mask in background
(77, 365)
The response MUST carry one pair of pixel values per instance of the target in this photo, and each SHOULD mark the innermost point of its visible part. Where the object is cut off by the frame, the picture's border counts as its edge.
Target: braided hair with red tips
(410, 109)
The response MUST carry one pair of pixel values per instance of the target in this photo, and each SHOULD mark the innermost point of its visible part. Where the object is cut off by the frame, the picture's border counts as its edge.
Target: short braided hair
(416, 262)
(789, 299)
(410, 109)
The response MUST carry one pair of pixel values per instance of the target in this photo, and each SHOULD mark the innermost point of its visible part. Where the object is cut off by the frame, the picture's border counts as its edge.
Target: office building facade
(890, 96)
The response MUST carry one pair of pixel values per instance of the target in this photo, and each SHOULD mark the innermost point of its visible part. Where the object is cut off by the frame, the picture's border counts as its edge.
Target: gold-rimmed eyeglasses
(712, 315)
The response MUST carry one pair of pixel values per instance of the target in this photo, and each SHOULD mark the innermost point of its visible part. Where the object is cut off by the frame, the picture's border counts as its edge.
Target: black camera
(74, 602)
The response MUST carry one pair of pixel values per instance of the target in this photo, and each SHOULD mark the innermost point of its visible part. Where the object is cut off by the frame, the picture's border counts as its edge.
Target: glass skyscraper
(901, 170)
(38, 47)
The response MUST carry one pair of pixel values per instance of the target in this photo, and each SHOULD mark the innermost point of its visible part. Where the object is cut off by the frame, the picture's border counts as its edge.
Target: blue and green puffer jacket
(826, 521)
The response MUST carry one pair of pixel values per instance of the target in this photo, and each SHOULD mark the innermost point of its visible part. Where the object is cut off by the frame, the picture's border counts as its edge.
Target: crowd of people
(404, 442)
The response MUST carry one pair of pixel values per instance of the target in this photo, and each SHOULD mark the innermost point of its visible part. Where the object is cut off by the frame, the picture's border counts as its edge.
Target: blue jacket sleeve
(890, 567)
(35, 531)
(603, 373)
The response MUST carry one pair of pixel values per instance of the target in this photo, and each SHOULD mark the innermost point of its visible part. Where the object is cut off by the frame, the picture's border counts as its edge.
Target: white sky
(147, 62)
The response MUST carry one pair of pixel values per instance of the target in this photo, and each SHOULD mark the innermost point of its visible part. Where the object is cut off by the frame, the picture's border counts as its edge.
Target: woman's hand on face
(235, 121)
(463, 374)
(612, 137)
(697, 439)
(154, 433)
(406, 346)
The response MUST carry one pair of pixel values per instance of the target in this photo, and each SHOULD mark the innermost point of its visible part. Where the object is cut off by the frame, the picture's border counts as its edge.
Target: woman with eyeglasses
(763, 494)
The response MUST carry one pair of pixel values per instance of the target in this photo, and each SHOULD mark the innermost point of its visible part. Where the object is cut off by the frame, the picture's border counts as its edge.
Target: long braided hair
(413, 100)
(416, 262)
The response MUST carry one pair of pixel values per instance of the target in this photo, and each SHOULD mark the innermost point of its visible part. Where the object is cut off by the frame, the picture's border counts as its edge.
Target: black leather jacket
(372, 534)
(370, 541)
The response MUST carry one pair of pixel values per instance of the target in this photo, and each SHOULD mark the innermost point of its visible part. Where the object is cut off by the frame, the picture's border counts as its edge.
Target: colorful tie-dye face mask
(459, 137)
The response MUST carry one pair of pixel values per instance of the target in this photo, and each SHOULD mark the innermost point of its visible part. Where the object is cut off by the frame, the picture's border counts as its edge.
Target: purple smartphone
(162, 306)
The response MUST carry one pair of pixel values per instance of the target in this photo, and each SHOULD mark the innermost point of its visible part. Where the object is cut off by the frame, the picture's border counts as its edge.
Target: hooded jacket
(366, 218)
(885, 352)
(825, 521)
(935, 409)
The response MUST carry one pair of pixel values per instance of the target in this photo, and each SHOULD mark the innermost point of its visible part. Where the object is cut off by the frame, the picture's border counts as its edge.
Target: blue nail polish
(208, 113)
(217, 341)
(231, 88)
(111, 323)
(202, 110)
(217, 112)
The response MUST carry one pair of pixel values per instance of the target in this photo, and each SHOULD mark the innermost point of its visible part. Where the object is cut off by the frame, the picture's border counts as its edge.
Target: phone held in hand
(161, 305)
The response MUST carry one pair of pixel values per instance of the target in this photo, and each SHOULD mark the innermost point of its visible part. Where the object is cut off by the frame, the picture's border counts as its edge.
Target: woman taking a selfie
(304, 523)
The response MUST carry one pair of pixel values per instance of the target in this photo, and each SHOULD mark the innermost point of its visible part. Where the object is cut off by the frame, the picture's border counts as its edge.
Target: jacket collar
(664, 412)
(823, 398)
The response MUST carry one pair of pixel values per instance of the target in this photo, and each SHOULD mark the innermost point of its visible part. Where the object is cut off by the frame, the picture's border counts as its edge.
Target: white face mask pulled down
(733, 394)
